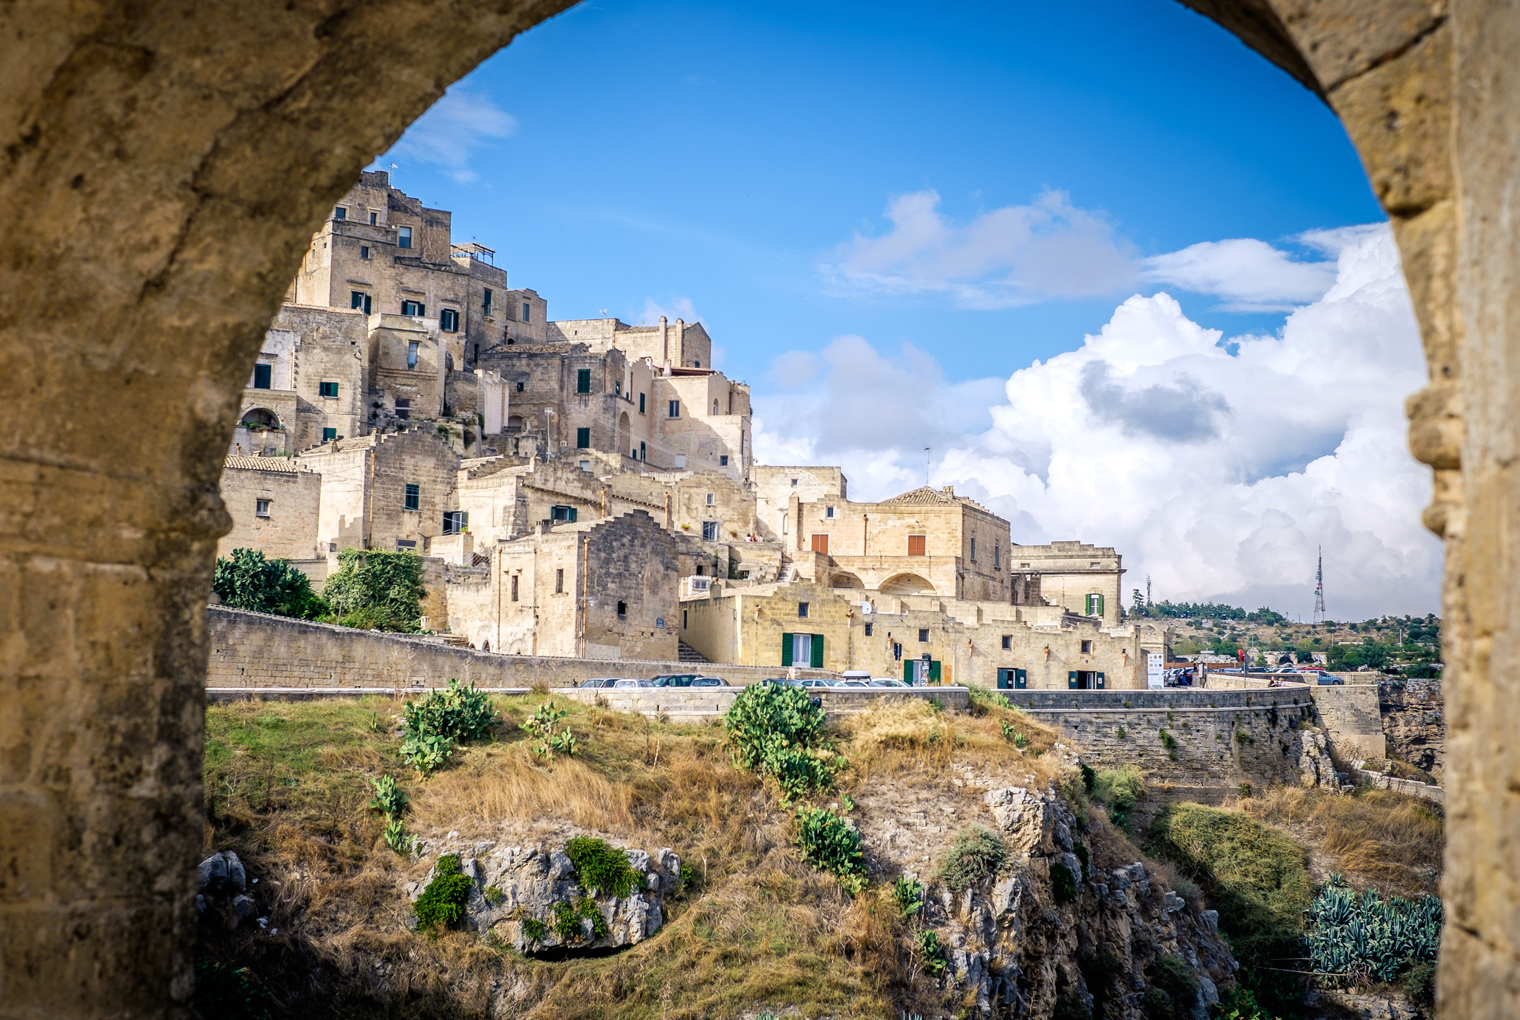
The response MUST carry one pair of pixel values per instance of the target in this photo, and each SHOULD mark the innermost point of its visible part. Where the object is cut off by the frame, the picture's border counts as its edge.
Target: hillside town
(587, 488)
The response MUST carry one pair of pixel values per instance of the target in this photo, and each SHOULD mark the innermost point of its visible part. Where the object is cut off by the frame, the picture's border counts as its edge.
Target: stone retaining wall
(690, 705)
(259, 650)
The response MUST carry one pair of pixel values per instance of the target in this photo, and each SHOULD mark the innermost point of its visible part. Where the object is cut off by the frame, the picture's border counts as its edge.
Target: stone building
(274, 503)
(915, 638)
(1083, 579)
(387, 492)
(600, 589)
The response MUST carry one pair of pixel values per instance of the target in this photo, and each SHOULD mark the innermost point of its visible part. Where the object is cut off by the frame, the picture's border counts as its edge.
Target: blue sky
(711, 157)
(1124, 278)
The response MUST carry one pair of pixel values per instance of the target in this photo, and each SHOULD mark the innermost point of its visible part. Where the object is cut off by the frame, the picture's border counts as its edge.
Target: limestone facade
(386, 492)
(274, 504)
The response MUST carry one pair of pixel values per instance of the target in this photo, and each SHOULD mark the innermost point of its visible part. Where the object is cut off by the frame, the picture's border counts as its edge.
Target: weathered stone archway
(150, 227)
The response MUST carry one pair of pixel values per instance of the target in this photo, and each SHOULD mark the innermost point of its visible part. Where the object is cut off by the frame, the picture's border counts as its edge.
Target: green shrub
(933, 953)
(1089, 777)
(1255, 876)
(1170, 743)
(390, 801)
(534, 931)
(542, 725)
(1083, 856)
(908, 894)
(831, 844)
(1420, 984)
(774, 729)
(1172, 990)
(1063, 884)
(976, 854)
(228, 993)
(442, 903)
(1367, 937)
(246, 580)
(984, 698)
(377, 590)
(440, 722)
(1120, 789)
(602, 867)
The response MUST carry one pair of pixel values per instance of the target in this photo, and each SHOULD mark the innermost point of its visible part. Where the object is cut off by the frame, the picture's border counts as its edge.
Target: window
(715, 407)
(973, 550)
(405, 543)
(520, 387)
(485, 303)
(261, 376)
(527, 312)
(1094, 605)
(403, 237)
(617, 387)
(683, 619)
(404, 408)
(923, 634)
(802, 649)
(583, 439)
(559, 581)
(1086, 647)
(701, 569)
(709, 531)
(562, 514)
(374, 219)
(622, 609)
(675, 409)
(327, 389)
(821, 544)
(997, 556)
(413, 308)
(828, 513)
(585, 466)
(642, 458)
(340, 213)
(723, 460)
(583, 380)
(455, 522)
(448, 320)
(411, 354)
(414, 497)
(868, 629)
(358, 301)
(802, 610)
(641, 403)
(1007, 642)
(794, 483)
(514, 587)
(364, 251)
(261, 508)
(328, 435)
(916, 545)
(711, 499)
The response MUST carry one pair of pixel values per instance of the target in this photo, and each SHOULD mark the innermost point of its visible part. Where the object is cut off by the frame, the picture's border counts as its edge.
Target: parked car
(882, 681)
(600, 681)
(674, 679)
(859, 684)
(811, 682)
(625, 684)
(1327, 679)
(710, 681)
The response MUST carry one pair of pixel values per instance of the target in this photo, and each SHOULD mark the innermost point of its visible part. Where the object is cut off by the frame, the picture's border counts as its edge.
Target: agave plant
(1365, 937)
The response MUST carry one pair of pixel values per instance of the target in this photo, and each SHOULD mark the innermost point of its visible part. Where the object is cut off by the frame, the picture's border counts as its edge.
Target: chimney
(680, 341)
(664, 345)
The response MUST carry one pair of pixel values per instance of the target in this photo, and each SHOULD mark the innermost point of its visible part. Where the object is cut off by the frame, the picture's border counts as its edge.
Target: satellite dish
(865, 609)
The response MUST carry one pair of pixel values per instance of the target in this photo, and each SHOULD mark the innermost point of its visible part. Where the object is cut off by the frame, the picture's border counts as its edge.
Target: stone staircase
(686, 653)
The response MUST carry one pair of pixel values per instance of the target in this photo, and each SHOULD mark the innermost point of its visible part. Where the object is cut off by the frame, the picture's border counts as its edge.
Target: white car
(624, 685)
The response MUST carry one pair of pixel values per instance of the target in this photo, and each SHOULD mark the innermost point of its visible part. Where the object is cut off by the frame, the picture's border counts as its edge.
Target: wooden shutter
(908, 672)
(821, 544)
(1021, 679)
(817, 651)
(934, 671)
(1071, 680)
(1100, 675)
(916, 545)
(786, 649)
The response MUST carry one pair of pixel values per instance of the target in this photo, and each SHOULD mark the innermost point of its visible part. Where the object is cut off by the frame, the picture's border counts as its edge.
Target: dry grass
(1377, 838)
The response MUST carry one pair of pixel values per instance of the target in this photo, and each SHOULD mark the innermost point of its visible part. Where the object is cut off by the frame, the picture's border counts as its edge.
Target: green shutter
(786, 649)
(908, 672)
(1100, 681)
(1098, 602)
(1071, 680)
(934, 671)
(817, 651)
(1021, 679)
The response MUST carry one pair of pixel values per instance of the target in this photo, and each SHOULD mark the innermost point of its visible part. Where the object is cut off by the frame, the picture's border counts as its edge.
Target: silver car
(624, 685)
(710, 681)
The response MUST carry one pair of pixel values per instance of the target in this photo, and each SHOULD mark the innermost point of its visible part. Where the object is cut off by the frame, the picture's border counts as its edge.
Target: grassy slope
(287, 785)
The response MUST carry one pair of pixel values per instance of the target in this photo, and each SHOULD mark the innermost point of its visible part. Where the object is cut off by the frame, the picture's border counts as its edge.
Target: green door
(817, 651)
(1021, 678)
(908, 672)
(1017, 679)
(934, 671)
(786, 649)
(1071, 680)
(1099, 684)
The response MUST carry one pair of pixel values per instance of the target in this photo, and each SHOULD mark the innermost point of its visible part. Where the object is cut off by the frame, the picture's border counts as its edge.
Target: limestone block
(1023, 816)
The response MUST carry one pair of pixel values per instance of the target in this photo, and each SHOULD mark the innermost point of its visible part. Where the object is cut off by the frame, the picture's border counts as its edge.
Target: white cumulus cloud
(1217, 468)
(1010, 256)
(1250, 275)
(452, 131)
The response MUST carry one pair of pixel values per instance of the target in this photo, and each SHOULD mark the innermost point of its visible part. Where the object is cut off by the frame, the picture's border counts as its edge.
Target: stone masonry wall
(1414, 722)
(259, 650)
(1214, 740)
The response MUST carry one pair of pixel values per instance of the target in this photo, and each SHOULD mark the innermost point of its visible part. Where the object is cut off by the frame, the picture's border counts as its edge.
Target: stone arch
(514, 423)
(624, 435)
(260, 416)
(844, 579)
(158, 316)
(906, 584)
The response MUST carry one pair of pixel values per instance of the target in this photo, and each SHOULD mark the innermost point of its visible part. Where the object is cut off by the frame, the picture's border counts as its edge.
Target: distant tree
(246, 580)
(377, 590)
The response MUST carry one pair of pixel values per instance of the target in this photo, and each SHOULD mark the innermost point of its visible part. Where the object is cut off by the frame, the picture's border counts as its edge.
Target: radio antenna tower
(1319, 588)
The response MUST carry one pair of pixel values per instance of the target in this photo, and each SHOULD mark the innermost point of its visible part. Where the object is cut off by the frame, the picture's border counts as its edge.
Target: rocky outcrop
(1312, 751)
(1414, 722)
(532, 898)
(1031, 937)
